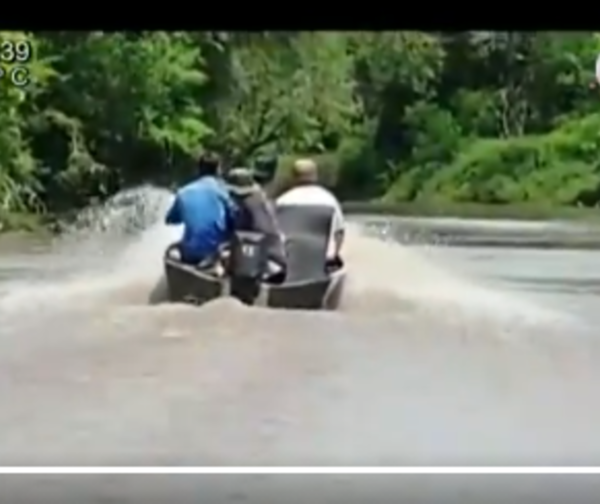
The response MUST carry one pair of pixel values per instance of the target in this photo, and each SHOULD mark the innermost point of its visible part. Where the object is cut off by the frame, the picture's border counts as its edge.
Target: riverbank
(473, 210)
(29, 223)
(11, 222)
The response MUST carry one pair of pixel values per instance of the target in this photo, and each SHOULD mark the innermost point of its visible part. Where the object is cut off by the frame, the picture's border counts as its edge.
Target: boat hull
(188, 284)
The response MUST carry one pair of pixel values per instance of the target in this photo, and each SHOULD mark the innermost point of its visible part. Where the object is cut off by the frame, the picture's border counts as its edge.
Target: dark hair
(209, 163)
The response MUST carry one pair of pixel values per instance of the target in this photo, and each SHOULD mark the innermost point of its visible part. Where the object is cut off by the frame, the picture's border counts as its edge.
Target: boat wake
(112, 256)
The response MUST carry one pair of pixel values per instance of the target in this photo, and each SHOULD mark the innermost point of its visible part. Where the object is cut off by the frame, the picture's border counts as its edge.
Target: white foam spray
(393, 274)
(112, 255)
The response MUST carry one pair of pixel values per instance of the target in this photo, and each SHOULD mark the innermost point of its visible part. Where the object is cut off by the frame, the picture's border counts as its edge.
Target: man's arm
(339, 229)
(174, 216)
(231, 210)
(265, 221)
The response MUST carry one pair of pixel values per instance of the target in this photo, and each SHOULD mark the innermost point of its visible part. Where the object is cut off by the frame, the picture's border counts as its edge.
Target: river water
(452, 347)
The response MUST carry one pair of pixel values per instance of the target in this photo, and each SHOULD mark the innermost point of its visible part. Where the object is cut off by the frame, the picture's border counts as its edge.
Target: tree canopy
(490, 117)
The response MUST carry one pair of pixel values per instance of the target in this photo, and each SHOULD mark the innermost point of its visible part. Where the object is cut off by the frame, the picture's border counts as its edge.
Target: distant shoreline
(472, 211)
(23, 222)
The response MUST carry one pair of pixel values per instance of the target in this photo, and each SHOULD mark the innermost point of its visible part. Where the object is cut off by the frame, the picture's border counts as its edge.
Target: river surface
(452, 347)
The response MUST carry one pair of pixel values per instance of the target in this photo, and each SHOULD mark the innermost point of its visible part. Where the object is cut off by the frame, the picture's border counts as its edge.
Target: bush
(362, 172)
(561, 167)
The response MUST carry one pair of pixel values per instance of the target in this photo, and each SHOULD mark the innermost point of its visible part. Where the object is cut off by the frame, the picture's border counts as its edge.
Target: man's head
(241, 181)
(305, 171)
(209, 164)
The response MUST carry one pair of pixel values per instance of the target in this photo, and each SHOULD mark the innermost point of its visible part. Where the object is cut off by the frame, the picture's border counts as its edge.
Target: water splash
(112, 247)
(112, 255)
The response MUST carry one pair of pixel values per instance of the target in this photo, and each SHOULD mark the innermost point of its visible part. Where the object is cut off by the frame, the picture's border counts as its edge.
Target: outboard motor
(247, 265)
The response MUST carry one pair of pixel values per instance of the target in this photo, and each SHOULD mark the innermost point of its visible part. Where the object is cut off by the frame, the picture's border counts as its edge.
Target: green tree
(492, 117)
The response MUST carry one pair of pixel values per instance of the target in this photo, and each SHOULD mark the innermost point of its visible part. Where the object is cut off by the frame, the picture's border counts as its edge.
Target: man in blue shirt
(207, 212)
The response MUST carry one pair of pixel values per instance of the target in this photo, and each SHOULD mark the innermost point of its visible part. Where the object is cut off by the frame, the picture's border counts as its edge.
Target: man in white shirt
(306, 190)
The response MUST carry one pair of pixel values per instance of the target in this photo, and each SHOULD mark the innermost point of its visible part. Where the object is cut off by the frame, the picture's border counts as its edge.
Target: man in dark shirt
(256, 213)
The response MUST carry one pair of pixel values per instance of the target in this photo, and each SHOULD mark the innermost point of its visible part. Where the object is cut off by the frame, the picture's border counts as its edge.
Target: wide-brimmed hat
(241, 181)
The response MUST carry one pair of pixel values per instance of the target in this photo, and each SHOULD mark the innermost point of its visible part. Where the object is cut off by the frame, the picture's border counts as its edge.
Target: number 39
(15, 51)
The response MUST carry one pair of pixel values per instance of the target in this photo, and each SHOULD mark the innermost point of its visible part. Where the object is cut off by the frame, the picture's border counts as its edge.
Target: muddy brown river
(452, 348)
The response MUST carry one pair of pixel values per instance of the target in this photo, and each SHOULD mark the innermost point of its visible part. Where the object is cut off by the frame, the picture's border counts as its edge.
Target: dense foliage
(492, 117)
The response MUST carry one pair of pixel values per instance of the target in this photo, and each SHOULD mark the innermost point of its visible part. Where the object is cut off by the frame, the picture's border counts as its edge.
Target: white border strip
(298, 470)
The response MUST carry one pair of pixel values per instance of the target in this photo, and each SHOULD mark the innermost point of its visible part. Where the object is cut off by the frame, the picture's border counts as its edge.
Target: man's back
(206, 210)
(261, 217)
(314, 194)
(255, 211)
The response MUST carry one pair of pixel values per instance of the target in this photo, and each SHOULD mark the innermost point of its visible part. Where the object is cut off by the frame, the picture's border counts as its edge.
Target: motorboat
(310, 283)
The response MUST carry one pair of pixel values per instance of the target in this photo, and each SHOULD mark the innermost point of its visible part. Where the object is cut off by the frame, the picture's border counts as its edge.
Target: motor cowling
(248, 255)
(248, 261)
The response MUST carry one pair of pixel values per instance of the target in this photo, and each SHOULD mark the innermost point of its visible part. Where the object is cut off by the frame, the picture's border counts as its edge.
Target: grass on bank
(473, 210)
(21, 221)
